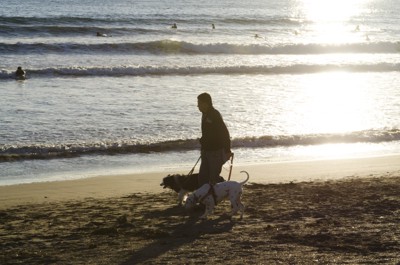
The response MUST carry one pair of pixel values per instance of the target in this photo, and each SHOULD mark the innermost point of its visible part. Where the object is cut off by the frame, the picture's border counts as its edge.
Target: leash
(191, 171)
(230, 167)
(211, 189)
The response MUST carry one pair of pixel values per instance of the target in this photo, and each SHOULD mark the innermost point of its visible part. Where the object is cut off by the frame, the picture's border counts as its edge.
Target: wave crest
(182, 47)
(199, 70)
(13, 153)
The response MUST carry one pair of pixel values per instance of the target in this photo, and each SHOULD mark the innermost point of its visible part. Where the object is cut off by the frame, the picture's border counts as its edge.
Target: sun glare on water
(330, 19)
(334, 103)
(331, 10)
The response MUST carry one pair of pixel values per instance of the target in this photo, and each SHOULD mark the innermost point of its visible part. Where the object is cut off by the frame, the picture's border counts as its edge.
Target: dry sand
(345, 212)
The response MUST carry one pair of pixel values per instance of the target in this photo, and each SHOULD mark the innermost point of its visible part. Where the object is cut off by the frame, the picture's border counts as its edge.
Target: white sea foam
(183, 47)
(18, 152)
(198, 70)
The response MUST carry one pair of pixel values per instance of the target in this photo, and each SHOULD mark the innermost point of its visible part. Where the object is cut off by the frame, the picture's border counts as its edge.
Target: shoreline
(149, 182)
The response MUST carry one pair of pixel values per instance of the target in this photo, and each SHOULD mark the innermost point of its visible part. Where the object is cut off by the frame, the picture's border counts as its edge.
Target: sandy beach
(310, 212)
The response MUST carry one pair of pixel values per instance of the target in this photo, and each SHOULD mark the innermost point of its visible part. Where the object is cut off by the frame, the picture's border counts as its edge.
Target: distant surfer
(256, 36)
(20, 74)
(174, 26)
(99, 34)
(213, 26)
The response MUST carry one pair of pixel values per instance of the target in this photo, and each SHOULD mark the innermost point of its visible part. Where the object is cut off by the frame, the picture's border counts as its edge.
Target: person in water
(20, 73)
(174, 26)
(99, 34)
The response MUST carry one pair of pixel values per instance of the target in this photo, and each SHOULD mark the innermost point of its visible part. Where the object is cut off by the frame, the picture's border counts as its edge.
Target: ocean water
(293, 79)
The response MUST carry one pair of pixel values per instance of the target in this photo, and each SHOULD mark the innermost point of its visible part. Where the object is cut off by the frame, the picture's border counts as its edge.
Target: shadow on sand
(180, 233)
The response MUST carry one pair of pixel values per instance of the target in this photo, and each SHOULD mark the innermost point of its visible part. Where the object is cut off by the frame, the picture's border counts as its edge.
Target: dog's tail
(248, 176)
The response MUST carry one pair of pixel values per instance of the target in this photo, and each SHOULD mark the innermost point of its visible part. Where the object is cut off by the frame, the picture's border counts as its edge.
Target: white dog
(211, 195)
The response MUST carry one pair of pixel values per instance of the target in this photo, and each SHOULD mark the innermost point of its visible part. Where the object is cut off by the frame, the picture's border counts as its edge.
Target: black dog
(182, 184)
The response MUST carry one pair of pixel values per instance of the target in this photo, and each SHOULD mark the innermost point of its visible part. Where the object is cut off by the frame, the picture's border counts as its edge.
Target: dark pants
(211, 166)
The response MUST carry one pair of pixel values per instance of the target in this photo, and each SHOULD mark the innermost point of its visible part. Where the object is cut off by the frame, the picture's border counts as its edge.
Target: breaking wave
(182, 47)
(198, 70)
(15, 153)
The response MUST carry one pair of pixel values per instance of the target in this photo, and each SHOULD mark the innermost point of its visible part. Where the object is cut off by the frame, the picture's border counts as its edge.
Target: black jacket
(215, 135)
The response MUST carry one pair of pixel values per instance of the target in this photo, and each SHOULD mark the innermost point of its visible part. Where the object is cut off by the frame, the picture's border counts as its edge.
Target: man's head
(204, 102)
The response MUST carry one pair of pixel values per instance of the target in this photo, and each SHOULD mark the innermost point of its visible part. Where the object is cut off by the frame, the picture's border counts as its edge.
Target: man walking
(215, 141)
